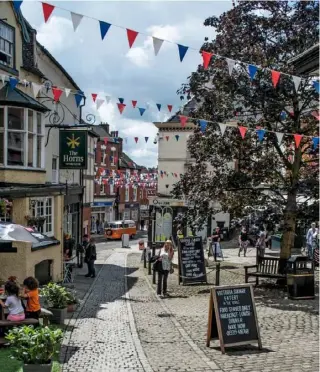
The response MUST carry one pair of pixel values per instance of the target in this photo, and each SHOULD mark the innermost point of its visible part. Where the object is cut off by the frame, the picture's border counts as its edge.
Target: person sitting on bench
(13, 302)
(31, 293)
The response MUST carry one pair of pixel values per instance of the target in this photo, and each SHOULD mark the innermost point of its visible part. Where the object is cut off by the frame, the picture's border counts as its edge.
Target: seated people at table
(13, 302)
(31, 294)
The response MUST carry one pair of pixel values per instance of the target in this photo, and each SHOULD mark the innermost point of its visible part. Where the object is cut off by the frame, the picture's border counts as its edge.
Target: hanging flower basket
(35, 221)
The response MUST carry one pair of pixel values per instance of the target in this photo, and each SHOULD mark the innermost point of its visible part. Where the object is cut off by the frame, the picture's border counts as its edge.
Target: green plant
(72, 298)
(56, 296)
(34, 345)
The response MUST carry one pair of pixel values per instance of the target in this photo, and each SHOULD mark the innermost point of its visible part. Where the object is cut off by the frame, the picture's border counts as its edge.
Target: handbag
(157, 266)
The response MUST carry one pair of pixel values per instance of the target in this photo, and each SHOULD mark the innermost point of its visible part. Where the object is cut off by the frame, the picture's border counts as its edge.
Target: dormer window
(6, 45)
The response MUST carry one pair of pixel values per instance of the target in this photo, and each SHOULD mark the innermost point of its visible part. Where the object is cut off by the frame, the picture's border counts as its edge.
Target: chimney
(120, 140)
(105, 126)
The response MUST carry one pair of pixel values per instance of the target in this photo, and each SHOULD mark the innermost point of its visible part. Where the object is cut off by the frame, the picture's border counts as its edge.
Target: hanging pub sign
(232, 316)
(73, 152)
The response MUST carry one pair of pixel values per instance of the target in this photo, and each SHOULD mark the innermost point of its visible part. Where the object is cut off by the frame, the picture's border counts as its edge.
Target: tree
(272, 173)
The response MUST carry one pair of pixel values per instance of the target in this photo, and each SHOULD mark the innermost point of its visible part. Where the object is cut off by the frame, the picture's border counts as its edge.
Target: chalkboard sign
(192, 268)
(232, 316)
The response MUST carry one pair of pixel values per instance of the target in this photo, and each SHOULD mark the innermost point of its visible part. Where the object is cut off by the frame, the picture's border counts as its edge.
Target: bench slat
(9, 323)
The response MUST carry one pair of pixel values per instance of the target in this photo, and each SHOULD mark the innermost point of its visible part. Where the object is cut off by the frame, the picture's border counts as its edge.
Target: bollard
(153, 272)
(218, 274)
(149, 263)
(144, 258)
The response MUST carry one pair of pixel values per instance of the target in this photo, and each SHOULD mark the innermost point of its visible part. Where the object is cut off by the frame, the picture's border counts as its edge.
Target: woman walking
(243, 242)
(165, 257)
(90, 257)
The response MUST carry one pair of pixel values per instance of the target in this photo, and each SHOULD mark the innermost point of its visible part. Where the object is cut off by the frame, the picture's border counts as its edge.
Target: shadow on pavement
(243, 350)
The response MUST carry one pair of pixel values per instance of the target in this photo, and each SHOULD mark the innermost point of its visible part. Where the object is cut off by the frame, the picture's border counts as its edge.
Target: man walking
(90, 257)
(312, 232)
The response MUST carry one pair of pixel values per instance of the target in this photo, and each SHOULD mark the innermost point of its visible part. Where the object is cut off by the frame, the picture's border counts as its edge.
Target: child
(31, 293)
(13, 302)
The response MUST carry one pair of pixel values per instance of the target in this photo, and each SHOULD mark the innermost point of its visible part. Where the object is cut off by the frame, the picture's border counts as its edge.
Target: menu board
(232, 316)
(192, 268)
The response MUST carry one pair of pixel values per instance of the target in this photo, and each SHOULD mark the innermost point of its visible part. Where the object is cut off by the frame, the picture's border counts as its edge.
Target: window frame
(9, 66)
(25, 132)
(34, 211)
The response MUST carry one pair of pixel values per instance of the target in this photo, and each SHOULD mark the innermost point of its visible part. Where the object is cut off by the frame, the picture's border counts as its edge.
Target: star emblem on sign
(73, 142)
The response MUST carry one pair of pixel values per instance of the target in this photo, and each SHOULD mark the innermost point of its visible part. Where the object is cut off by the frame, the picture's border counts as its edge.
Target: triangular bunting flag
(16, 5)
(261, 133)
(231, 63)
(121, 100)
(13, 82)
(159, 106)
(296, 81)
(99, 103)
(47, 10)
(167, 138)
(121, 107)
(275, 76)
(203, 125)
(157, 43)
(36, 89)
(104, 28)
(316, 114)
(183, 120)
(78, 97)
(252, 71)
(136, 139)
(141, 110)
(243, 131)
(108, 99)
(283, 115)
(315, 141)
(206, 56)
(297, 139)
(223, 128)
(56, 93)
(182, 51)
(146, 139)
(134, 103)
(94, 96)
(177, 137)
(131, 34)
(67, 90)
(316, 86)
(170, 108)
(279, 137)
(76, 19)
(105, 140)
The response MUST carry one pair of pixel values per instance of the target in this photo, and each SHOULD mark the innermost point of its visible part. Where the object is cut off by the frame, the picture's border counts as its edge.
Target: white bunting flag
(279, 137)
(99, 102)
(223, 128)
(296, 81)
(157, 43)
(67, 90)
(108, 99)
(76, 19)
(231, 63)
(36, 89)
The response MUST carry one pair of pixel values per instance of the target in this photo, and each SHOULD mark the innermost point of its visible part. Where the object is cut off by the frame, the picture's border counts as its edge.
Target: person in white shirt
(312, 232)
(165, 256)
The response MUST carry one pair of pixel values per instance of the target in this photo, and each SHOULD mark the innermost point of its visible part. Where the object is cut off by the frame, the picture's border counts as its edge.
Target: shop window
(7, 45)
(21, 138)
(44, 208)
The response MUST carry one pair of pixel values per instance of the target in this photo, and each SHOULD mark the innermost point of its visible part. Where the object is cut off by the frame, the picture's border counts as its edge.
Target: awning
(15, 97)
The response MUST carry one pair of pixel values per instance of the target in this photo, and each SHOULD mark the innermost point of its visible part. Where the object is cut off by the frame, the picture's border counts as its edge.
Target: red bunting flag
(183, 120)
(105, 140)
(206, 56)
(275, 76)
(316, 114)
(131, 34)
(134, 103)
(136, 139)
(94, 96)
(167, 138)
(121, 107)
(47, 10)
(170, 108)
(297, 139)
(56, 93)
(243, 131)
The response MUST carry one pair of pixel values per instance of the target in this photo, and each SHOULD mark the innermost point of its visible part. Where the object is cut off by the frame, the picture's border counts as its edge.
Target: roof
(102, 132)
(127, 162)
(307, 62)
(187, 108)
(15, 97)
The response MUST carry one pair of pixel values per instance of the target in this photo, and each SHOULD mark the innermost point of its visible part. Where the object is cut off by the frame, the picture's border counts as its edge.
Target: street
(122, 326)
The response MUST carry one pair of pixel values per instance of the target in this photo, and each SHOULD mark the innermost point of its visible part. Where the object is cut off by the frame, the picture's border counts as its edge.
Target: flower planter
(37, 367)
(58, 315)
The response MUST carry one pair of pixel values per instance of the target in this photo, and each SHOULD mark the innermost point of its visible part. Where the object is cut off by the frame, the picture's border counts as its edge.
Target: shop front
(144, 216)
(72, 213)
(130, 211)
(102, 213)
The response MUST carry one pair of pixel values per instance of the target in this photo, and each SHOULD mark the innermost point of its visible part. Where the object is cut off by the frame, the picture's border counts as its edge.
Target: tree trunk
(288, 236)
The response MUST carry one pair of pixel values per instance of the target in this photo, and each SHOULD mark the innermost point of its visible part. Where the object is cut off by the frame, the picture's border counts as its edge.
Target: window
(112, 189)
(127, 194)
(135, 192)
(6, 45)
(44, 208)
(102, 157)
(55, 172)
(126, 214)
(113, 153)
(21, 137)
(128, 174)
(102, 188)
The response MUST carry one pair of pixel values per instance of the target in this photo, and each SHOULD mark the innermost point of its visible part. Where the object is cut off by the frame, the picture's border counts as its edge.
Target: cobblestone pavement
(289, 329)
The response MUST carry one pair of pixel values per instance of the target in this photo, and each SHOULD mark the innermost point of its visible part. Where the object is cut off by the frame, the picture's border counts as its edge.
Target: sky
(109, 67)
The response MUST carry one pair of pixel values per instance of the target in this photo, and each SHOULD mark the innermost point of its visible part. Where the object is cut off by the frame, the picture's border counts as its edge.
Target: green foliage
(72, 298)
(56, 296)
(34, 345)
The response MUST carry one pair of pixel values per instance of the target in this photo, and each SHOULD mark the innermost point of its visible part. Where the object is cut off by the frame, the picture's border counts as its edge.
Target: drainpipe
(80, 224)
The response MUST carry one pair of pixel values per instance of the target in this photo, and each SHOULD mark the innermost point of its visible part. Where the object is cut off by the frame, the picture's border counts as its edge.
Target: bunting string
(157, 44)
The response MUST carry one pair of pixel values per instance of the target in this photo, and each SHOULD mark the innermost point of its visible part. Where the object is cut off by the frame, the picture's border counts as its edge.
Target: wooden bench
(10, 324)
(267, 267)
(45, 315)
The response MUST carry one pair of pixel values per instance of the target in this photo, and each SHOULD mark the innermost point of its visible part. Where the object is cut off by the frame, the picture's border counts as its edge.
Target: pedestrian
(165, 257)
(90, 257)
(243, 241)
(312, 232)
(216, 248)
(31, 294)
(97, 225)
(261, 243)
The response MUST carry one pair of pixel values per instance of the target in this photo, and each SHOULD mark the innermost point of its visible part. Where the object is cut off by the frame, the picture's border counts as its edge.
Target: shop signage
(102, 204)
(168, 203)
(73, 151)
(131, 205)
